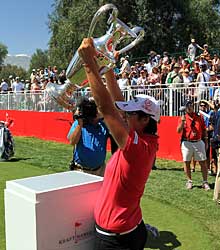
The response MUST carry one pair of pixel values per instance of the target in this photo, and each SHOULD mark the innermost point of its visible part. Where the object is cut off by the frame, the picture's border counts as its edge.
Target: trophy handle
(136, 32)
(101, 11)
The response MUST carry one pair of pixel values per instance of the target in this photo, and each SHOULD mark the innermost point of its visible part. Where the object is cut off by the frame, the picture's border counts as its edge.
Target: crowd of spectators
(197, 69)
(37, 81)
(162, 71)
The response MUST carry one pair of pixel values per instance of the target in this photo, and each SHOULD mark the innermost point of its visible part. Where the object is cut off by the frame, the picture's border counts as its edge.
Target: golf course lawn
(187, 220)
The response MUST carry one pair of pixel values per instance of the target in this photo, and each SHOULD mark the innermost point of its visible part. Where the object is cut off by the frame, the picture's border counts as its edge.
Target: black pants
(134, 240)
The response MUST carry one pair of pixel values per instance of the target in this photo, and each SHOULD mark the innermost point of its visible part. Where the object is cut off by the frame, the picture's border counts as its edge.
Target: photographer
(88, 135)
(194, 142)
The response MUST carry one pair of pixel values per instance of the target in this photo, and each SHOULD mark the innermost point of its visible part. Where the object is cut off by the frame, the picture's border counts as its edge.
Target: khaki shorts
(195, 150)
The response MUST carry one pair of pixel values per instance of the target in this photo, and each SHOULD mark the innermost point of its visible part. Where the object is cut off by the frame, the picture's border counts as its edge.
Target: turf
(186, 219)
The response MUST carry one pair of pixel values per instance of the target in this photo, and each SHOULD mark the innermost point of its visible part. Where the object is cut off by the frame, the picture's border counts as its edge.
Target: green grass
(186, 219)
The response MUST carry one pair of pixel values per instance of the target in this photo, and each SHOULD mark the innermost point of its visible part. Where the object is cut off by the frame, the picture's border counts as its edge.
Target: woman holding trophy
(118, 216)
(133, 125)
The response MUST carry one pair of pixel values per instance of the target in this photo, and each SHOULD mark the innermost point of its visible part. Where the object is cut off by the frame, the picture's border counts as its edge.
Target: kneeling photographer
(88, 135)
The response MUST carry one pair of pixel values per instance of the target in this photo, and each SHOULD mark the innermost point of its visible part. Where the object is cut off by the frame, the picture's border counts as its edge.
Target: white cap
(141, 102)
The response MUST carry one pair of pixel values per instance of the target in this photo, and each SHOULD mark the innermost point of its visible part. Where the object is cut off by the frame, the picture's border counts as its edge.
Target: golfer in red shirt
(118, 216)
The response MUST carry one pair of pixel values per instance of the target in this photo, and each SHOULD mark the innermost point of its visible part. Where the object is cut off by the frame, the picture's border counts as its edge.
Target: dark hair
(87, 109)
(151, 127)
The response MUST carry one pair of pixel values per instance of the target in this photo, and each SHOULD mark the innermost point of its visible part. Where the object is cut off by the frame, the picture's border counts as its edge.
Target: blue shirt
(90, 151)
(214, 120)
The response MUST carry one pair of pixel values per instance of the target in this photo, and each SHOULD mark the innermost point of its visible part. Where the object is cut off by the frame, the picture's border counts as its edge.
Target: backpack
(170, 79)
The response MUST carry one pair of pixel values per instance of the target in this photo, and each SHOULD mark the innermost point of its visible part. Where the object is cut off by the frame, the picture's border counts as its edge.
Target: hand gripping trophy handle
(65, 95)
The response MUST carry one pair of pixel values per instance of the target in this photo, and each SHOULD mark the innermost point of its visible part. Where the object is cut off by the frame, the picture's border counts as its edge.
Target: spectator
(33, 75)
(35, 93)
(88, 135)
(214, 136)
(185, 64)
(62, 77)
(125, 65)
(203, 61)
(193, 74)
(192, 50)
(27, 86)
(216, 96)
(193, 132)
(175, 80)
(205, 113)
(206, 52)
(17, 88)
(202, 79)
(196, 68)
(186, 77)
(154, 77)
(10, 82)
(133, 78)
(142, 80)
(174, 77)
(163, 76)
(123, 81)
(118, 217)
(150, 65)
(215, 63)
(4, 87)
(212, 84)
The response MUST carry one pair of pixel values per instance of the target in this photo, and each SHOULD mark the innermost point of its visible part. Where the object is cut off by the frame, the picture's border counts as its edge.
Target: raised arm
(74, 135)
(113, 88)
(101, 95)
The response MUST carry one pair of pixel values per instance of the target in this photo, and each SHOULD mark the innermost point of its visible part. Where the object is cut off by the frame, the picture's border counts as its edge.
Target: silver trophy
(106, 59)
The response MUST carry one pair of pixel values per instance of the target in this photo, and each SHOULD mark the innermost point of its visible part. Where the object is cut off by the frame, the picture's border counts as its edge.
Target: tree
(39, 60)
(3, 53)
(13, 70)
(69, 24)
(169, 25)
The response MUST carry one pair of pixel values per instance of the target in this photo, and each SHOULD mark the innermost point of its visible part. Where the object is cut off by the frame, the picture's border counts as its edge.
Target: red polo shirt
(118, 205)
(193, 127)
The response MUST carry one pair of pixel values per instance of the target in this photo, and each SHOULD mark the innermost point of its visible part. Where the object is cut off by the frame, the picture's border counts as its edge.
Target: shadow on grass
(19, 159)
(166, 241)
(170, 169)
(211, 185)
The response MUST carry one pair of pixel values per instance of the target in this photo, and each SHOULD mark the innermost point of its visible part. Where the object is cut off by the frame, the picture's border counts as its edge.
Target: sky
(23, 25)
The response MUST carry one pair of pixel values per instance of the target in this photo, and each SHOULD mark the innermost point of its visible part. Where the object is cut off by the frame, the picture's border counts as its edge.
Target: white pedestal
(51, 212)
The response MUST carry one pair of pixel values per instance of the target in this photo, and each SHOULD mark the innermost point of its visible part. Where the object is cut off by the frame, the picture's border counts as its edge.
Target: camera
(78, 116)
(187, 103)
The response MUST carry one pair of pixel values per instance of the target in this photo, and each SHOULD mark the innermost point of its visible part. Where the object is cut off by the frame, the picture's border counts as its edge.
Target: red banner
(55, 126)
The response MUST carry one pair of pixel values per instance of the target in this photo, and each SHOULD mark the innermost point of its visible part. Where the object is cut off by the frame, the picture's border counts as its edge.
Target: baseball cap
(141, 102)
(176, 65)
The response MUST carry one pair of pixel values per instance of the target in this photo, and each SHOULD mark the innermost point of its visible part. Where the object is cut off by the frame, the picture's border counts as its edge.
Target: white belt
(115, 234)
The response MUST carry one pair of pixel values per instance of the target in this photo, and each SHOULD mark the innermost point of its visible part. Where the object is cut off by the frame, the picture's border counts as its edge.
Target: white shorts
(195, 150)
